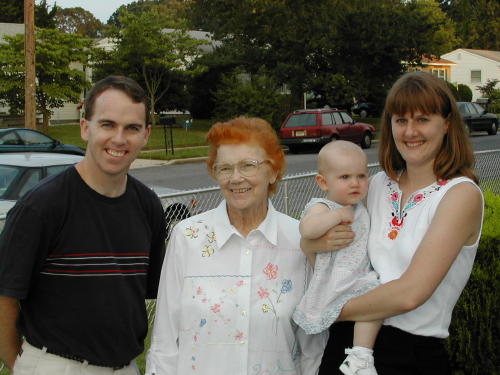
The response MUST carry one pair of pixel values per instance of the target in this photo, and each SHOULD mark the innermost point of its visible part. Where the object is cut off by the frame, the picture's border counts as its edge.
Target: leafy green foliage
(149, 53)
(357, 45)
(474, 330)
(44, 17)
(253, 96)
(58, 79)
(78, 21)
(12, 11)
(477, 22)
(490, 91)
(464, 93)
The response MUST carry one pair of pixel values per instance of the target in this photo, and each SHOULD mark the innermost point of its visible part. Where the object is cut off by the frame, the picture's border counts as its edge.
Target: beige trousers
(34, 361)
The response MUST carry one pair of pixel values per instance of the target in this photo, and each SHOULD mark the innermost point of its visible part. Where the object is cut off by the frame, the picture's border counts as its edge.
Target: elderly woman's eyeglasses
(246, 168)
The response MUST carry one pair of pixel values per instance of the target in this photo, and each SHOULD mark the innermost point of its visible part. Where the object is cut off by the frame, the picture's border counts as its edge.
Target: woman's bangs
(414, 99)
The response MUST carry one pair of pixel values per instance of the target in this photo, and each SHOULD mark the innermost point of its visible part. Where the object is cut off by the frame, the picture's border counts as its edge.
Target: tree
(57, 81)
(254, 96)
(79, 21)
(13, 11)
(150, 54)
(477, 22)
(362, 43)
(170, 8)
(44, 17)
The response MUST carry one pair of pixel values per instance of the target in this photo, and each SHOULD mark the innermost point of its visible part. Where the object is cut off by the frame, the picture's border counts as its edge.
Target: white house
(474, 67)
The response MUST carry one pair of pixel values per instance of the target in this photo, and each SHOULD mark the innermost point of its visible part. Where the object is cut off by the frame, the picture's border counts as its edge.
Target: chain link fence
(296, 190)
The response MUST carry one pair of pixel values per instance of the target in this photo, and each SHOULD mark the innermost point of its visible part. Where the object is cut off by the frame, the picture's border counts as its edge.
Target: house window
(440, 73)
(475, 76)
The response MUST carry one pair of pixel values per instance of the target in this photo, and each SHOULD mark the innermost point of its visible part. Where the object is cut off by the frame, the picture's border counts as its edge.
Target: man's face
(115, 134)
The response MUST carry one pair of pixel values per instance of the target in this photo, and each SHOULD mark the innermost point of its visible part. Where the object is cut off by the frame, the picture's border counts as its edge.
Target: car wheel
(293, 149)
(363, 113)
(366, 141)
(493, 129)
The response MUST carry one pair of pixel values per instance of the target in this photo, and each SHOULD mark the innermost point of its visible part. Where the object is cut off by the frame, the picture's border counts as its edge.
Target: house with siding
(441, 68)
(474, 68)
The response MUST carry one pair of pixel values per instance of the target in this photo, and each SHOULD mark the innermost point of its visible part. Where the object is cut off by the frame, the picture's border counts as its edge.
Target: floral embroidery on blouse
(398, 214)
(211, 237)
(207, 251)
(191, 232)
(271, 271)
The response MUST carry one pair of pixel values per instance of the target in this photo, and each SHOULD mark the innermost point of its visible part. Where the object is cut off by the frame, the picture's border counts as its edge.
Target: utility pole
(29, 64)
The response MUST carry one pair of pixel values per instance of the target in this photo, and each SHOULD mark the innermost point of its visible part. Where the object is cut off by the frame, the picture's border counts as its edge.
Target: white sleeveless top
(395, 234)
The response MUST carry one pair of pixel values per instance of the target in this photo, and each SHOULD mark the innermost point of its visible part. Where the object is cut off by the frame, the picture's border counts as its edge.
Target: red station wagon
(309, 127)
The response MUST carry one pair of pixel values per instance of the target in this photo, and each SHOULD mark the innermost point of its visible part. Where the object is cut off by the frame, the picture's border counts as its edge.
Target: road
(194, 175)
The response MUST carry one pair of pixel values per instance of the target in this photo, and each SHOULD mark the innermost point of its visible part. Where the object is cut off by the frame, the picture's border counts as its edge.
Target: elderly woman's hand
(336, 238)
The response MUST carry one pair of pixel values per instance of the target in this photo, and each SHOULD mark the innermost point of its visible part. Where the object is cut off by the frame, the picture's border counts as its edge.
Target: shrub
(464, 93)
(453, 90)
(474, 330)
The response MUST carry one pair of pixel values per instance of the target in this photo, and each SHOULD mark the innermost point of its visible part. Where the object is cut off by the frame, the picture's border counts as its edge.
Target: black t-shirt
(81, 265)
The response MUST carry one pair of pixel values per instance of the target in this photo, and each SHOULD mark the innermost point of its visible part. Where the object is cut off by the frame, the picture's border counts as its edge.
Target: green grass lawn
(195, 136)
(183, 139)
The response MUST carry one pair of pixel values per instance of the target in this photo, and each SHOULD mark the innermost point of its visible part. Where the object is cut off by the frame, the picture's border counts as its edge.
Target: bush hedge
(474, 331)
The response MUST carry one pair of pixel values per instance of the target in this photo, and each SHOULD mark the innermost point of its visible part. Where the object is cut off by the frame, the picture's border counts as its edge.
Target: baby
(347, 273)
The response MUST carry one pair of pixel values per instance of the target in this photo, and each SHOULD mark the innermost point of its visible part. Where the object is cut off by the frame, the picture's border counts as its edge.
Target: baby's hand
(346, 214)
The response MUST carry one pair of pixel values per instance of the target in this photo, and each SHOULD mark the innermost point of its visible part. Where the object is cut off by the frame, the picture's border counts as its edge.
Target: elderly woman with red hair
(233, 275)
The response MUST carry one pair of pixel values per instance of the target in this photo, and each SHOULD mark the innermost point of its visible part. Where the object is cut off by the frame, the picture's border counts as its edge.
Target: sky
(101, 9)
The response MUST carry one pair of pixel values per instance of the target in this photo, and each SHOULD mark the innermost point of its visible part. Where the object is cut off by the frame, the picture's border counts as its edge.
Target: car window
(463, 108)
(337, 118)
(33, 177)
(326, 119)
(471, 108)
(32, 138)
(346, 117)
(10, 139)
(7, 175)
(55, 169)
(302, 119)
(478, 108)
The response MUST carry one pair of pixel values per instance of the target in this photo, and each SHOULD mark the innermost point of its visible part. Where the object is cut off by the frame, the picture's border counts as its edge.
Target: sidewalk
(144, 163)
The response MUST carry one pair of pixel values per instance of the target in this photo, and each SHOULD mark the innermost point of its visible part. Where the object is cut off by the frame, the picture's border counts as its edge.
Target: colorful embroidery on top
(191, 232)
(207, 251)
(398, 214)
(271, 271)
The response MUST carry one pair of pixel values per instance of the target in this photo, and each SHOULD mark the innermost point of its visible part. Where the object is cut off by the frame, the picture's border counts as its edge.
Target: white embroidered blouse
(225, 301)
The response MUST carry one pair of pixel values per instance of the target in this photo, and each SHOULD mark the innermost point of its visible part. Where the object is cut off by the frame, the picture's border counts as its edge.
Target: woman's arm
(457, 222)
(320, 218)
(336, 238)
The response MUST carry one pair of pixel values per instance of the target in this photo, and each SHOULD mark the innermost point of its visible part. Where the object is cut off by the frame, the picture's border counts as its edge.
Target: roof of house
(436, 61)
(493, 55)
(10, 29)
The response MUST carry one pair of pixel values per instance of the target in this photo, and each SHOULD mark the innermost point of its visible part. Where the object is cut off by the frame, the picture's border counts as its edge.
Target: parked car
(19, 172)
(477, 119)
(320, 126)
(366, 109)
(28, 140)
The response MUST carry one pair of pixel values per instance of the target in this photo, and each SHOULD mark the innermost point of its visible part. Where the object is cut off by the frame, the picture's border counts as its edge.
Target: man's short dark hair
(127, 85)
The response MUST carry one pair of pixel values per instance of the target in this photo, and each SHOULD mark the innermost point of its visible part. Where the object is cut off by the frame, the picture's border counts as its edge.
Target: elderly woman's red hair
(247, 130)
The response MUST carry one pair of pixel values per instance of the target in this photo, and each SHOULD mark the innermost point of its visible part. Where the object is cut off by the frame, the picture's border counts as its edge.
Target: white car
(19, 172)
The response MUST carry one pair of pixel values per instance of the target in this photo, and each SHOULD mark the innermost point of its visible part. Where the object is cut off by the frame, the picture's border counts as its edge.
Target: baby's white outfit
(338, 275)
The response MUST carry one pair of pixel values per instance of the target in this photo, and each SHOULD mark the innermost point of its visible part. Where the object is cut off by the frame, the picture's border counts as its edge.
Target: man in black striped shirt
(82, 250)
